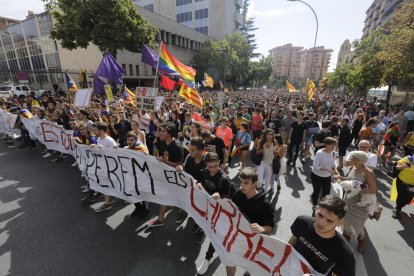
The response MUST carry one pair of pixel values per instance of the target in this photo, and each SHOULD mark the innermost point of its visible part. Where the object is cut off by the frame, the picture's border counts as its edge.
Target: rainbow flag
(191, 95)
(130, 97)
(290, 87)
(171, 65)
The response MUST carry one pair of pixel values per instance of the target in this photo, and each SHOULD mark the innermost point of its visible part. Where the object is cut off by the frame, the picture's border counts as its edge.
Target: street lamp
(316, 33)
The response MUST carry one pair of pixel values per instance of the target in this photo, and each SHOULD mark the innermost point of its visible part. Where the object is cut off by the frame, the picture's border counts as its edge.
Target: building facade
(380, 12)
(4, 22)
(215, 18)
(26, 46)
(346, 54)
(295, 63)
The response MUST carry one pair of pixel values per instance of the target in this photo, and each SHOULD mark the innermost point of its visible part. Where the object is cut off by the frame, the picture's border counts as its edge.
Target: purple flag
(148, 56)
(109, 69)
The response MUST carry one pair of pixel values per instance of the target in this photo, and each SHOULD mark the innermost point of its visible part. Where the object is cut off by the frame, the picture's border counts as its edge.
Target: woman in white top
(266, 147)
(323, 169)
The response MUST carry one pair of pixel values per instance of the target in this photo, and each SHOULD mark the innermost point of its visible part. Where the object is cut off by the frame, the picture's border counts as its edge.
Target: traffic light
(323, 85)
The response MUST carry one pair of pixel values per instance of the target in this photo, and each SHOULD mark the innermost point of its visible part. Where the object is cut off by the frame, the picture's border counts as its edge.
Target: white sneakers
(47, 155)
(74, 164)
(202, 269)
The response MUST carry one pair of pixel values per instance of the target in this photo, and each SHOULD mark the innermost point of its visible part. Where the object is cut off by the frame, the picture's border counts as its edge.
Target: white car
(8, 90)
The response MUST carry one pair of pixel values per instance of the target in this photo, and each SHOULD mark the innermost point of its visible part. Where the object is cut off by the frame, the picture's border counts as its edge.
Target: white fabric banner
(53, 136)
(7, 124)
(133, 176)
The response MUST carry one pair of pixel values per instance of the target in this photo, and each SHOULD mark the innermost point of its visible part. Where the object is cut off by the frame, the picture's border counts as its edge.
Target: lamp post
(316, 33)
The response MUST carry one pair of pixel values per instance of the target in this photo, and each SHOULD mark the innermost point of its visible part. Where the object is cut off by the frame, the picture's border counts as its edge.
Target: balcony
(239, 3)
(238, 18)
(390, 6)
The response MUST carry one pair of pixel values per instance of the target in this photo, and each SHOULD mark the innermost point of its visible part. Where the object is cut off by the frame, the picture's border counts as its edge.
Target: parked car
(8, 90)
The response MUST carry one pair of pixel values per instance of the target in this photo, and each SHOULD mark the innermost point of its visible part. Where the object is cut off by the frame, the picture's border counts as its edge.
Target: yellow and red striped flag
(129, 97)
(208, 81)
(312, 90)
(191, 95)
(290, 87)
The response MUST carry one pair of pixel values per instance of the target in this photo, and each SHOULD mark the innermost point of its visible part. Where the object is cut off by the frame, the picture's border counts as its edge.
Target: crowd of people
(259, 133)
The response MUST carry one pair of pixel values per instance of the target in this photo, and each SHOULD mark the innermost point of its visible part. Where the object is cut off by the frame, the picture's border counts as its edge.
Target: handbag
(255, 158)
(276, 164)
(377, 212)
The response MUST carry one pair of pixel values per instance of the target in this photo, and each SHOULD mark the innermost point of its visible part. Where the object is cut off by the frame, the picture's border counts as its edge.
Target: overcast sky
(279, 21)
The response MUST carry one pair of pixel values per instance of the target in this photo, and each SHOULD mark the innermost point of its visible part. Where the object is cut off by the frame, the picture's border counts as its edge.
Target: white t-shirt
(323, 160)
(107, 143)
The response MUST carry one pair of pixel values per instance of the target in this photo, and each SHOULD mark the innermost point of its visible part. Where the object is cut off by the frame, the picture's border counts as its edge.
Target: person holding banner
(252, 202)
(319, 243)
(133, 143)
(169, 152)
(100, 130)
(218, 185)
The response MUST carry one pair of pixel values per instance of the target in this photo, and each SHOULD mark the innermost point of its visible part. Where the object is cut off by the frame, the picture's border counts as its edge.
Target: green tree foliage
(234, 53)
(261, 71)
(247, 27)
(385, 56)
(111, 25)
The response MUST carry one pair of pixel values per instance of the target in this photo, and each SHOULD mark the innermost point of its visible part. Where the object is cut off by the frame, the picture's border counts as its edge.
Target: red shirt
(257, 122)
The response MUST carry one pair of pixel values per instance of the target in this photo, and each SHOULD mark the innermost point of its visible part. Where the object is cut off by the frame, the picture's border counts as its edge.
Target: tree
(261, 71)
(111, 25)
(247, 27)
(234, 52)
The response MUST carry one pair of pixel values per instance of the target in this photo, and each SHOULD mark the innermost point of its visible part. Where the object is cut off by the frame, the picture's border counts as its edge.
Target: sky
(278, 21)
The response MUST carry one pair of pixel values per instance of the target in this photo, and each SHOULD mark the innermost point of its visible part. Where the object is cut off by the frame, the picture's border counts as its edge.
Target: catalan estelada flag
(312, 90)
(70, 83)
(129, 97)
(290, 87)
(26, 114)
(171, 65)
(191, 95)
(208, 81)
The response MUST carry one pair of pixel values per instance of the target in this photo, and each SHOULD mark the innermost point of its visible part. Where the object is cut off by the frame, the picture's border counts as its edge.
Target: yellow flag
(108, 92)
(312, 90)
(290, 87)
(208, 81)
(190, 95)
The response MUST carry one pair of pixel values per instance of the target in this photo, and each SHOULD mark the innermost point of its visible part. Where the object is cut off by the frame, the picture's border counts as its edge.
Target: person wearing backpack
(218, 185)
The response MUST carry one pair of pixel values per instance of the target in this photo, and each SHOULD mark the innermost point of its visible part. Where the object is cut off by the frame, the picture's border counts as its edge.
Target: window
(203, 30)
(149, 7)
(137, 70)
(182, 2)
(199, 14)
(183, 17)
(131, 71)
(124, 68)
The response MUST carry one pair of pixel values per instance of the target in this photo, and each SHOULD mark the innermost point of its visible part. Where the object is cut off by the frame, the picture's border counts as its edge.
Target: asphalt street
(46, 230)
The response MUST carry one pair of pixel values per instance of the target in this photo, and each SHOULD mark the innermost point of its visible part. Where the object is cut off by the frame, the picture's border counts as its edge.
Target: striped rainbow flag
(171, 65)
(191, 95)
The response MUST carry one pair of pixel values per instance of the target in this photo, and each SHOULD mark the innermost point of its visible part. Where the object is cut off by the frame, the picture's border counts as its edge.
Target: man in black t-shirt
(218, 185)
(169, 152)
(274, 123)
(319, 243)
(122, 128)
(215, 144)
(297, 137)
(321, 135)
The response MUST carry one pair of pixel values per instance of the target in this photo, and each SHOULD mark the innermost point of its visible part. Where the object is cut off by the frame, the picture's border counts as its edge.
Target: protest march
(173, 145)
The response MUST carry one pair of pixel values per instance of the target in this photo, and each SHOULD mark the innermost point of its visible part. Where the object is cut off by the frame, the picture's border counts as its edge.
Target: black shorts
(342, 151)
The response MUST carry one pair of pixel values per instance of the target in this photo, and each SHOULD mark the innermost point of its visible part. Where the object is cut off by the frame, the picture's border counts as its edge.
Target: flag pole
(158, 63)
